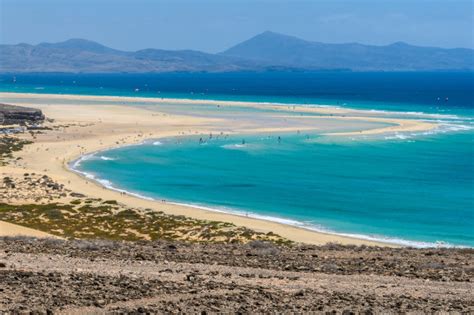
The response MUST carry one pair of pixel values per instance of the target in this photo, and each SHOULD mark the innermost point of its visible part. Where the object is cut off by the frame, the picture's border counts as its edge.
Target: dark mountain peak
(274, 36)
(24, 45)
(271, 34)
(272, 48)
(79, 42)
(267, 43)
(400, 44)
(80, 45)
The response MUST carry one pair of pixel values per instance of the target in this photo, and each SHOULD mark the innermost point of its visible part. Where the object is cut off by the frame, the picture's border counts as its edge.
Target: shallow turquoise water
(403, 190)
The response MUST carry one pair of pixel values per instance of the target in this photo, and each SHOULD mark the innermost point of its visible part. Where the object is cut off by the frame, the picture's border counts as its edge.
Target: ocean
(407, 188)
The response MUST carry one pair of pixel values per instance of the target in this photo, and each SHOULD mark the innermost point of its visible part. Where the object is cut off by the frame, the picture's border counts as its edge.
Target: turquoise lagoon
(414, 192)
(407, 188)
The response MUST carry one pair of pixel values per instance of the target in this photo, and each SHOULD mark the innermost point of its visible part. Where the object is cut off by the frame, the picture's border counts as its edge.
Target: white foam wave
(157, 143)
(105, 183)
(106, 158)
(418, 114)
(234, 146)
(443, 127)
(321, 229)
(92, 156)
(456, 127)
(397, 136)
(75, 164)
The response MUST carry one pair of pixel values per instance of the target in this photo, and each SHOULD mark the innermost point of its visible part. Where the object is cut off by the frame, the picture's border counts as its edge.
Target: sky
(215, 25)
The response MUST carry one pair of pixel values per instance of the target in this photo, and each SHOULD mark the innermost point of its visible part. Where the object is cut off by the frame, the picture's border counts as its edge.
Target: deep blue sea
(414, 91)
(415, 189)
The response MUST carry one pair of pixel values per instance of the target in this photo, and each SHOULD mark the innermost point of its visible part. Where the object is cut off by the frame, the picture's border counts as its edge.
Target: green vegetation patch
(8, 145)
(108, 220)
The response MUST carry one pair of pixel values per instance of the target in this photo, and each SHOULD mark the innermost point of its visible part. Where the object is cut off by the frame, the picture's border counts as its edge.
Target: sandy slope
(8, 229)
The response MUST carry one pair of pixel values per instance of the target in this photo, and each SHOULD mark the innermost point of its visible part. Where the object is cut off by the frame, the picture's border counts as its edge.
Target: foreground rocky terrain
(76, 277)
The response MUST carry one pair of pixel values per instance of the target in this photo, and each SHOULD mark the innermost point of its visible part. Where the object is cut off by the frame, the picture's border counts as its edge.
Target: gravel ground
(77, 277)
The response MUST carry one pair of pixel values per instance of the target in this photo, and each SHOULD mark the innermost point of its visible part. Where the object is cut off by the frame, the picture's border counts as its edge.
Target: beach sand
(9, 229)
(82, 129)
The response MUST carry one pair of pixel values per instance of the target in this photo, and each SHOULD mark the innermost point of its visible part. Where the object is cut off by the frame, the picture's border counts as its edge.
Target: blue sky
(214, 25)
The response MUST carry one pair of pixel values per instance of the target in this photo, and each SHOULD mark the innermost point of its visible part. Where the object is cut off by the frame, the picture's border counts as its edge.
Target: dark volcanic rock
(11, 115)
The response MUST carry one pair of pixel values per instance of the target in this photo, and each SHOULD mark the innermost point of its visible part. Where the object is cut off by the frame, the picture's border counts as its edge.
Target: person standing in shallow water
(279, 139)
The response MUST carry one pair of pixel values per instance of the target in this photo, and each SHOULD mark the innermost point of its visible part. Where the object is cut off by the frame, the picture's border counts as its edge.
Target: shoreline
(121, 119)
(331, 236)
(386, 241)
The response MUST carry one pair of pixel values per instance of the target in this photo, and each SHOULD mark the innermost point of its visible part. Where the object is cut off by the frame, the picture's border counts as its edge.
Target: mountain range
(266, 51)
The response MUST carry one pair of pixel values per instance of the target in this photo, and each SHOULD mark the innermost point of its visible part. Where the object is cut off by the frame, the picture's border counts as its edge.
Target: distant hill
(277, 49)
(79, 55)
(267, 51)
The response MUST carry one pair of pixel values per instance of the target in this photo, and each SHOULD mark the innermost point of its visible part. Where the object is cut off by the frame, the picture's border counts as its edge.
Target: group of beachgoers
(203, 140)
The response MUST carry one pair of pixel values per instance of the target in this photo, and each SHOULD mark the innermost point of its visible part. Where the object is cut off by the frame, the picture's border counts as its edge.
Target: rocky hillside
(19, 115)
